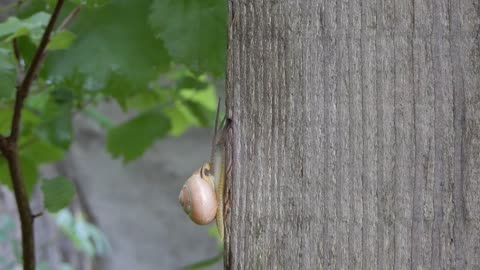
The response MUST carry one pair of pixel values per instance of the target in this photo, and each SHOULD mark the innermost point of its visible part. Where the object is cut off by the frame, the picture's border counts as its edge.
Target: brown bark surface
(356, 134)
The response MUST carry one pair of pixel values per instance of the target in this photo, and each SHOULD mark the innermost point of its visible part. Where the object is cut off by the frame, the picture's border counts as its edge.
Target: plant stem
(69, 18)
(9, 147)
(22, 91)
(28, 242)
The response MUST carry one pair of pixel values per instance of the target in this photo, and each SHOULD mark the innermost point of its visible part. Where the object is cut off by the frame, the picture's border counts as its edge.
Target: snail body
(202, 194)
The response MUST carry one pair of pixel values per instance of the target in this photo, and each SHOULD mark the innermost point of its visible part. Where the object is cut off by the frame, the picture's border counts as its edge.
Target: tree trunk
(356, 134)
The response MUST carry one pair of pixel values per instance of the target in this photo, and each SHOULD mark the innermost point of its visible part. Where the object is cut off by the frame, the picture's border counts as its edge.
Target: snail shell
(197, 196)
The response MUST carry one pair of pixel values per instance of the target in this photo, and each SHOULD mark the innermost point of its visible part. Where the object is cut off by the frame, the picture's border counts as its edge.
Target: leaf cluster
(154, 57)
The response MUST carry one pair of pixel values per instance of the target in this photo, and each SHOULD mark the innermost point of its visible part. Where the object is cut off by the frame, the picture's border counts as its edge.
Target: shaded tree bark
(356, 134)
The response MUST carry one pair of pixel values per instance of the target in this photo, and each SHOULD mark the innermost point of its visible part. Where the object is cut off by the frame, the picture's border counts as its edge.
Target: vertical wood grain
(356, 134)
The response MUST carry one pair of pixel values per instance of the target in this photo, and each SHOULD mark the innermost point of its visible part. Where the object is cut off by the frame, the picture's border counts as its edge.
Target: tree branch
(9, 147)
(62, 26)
(22, 92)
(39, 214)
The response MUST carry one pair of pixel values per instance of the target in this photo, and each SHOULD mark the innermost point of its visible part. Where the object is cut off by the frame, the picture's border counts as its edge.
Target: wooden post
(356, 134)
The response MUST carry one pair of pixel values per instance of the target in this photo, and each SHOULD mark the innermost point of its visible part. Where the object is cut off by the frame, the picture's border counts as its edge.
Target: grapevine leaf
(118, 55)
(194, 32)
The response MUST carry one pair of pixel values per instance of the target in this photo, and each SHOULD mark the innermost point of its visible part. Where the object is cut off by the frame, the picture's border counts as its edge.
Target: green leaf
(101, 119)
(6, 113)
(63, 96)
(67, 223)
(115, 49)
(84, 236)
(206, 98)
(122, 89)
(57, 129)
(41, 151)
(33, 26)
(194, 108)
(61, 40)
(27, 48)
(194, 32)
(10, 26)
(29, 172)
(130, 139)
(91, 3)
(7, 74)
(179, 120)
(57, 193)
(56, 126)
(198, 110)
(191, 82)
(37, 102)
(75, 90)
(145, 100)
(199, 105)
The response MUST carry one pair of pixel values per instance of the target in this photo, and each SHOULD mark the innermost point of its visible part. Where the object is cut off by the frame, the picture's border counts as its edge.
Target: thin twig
(22, 93)
(62, 26)
(69, 18)
(9, 147)
(18, 57)
(39, 214)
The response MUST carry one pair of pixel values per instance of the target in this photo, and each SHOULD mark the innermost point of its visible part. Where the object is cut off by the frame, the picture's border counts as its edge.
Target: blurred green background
(118, 118)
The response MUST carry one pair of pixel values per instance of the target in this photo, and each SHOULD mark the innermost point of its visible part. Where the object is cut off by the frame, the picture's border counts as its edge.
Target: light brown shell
(198, 200)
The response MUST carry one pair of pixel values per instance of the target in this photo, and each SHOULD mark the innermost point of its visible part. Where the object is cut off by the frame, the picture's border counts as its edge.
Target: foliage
(156, 58)
(7, 74)
(202, 43)
(57, 192)
(85, 236)
(122, 50)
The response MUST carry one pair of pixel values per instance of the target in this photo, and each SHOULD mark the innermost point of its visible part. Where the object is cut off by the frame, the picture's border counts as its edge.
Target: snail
(198, 197)
(202, 194)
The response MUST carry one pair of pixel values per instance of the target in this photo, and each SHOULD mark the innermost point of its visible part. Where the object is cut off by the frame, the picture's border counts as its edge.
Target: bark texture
(356, 134)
